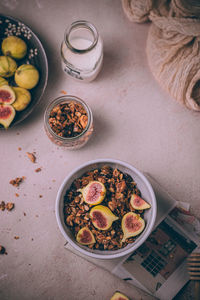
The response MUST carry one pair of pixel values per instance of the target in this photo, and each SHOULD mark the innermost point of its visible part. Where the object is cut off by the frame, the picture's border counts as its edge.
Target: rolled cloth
(173, 45)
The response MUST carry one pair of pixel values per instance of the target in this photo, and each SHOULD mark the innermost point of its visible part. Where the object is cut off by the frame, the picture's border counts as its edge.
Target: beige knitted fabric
(173, 45)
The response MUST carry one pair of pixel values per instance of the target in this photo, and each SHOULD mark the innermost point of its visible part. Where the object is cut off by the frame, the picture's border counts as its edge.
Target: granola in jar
(68, 122)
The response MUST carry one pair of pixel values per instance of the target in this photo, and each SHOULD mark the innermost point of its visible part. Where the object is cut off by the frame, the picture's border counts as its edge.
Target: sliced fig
(7, 114)
(94, 192)
(138, 203)
(132, 225)
(85, 237)
(7, 95)
(119, 296)
(102, 217)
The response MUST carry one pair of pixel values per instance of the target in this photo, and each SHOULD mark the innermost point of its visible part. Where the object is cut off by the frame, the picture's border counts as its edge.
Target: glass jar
(82, 51)
(59, 117)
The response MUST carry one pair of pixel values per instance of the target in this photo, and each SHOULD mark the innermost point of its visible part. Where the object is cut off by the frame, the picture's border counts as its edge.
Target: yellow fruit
(94, 192)
(132, 225)
(102, 217)
(7, 66)
(23, 98)
(26, 76)
(119, 296)
(14, 46)
(85, 236)
(3, 81)
(7, 114)
(7, 95)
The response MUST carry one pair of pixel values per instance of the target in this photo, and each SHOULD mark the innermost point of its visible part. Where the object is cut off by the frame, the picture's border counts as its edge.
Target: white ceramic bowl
(146, 191)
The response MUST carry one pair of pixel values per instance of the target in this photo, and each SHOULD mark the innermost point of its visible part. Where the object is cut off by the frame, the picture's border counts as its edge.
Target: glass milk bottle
(82, 51)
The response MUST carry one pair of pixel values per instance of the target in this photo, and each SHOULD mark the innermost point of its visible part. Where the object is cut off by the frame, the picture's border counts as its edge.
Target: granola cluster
(68, 119)
(119, 188)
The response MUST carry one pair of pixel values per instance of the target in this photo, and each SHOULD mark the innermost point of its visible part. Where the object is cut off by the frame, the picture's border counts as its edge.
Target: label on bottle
(71, 72)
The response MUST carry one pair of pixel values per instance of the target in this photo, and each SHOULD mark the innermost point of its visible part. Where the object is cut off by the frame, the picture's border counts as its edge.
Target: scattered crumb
(63, 92)
(16, 194)
(2, 250)
(38, 170)
(18, 133)
(53, 180)
(16, 182)
(31, 156)
(24, 214)
(10, 206)
(16, 237)
(19, 148)
(32, 239)
(36, 216)
(2, 205)
(40, 196)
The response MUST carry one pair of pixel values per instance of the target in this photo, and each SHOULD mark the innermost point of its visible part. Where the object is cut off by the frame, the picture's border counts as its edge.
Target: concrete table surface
(135, 121)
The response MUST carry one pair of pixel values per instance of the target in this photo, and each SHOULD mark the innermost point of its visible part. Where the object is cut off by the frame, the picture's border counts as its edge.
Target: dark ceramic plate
(35, 56)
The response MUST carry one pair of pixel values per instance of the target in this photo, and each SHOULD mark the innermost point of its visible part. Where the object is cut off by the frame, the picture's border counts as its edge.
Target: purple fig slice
(93, 193)
(85, 237)
(132, 225)
(138, 203)
(102, 217)
(7, 95)
(119, 296)
(7, 114)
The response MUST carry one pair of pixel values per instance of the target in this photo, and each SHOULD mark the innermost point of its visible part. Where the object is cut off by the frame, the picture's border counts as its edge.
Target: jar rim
(83, 24)
(67, 99)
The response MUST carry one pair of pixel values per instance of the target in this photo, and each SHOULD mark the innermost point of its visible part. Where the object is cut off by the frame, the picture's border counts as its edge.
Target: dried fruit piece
(85, 237)
(7, 95)
(23, 98)
(102, 217)
(14, 47)
(3, 81)
(94, 192)
(27, 76)
(7, 66)
(7, 114)
(119, 296)
(138, 203)
(132, 225)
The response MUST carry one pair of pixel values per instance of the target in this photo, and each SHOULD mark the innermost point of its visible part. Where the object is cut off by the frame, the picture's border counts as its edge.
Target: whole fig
(23, 98)
(3, 81)
(26, 76)
(7, 66)
(14, 46)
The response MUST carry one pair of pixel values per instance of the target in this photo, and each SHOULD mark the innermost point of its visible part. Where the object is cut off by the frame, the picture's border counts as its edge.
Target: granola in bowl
(119, 189)
(96, 205)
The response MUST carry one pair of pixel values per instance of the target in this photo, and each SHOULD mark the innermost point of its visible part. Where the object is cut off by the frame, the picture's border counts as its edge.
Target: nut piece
(31, 156)
(2, 205)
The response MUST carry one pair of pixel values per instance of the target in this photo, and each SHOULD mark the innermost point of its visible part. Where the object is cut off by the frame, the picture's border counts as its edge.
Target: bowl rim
(126, 251)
